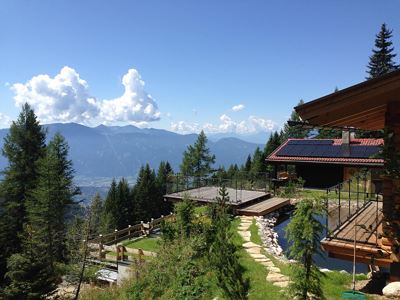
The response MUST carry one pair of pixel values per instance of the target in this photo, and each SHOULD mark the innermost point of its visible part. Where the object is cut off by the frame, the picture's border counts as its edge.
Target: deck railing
(242, 181)
(349, 199)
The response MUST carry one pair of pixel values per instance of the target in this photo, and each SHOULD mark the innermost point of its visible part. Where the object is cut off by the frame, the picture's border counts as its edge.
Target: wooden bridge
(264, 207)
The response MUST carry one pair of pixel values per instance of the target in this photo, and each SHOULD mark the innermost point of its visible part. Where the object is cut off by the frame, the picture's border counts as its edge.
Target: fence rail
(242, 181)
(131, 231)
(346, 200)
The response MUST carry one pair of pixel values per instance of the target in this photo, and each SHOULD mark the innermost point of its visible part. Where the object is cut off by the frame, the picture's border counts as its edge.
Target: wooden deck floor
(209, 193)
(368, 238)
(264, 207)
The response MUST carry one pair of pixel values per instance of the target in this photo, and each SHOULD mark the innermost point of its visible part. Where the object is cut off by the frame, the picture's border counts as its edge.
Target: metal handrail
(368, 199)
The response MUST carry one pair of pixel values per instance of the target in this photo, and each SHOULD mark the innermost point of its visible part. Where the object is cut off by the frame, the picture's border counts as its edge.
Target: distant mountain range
(104, 152)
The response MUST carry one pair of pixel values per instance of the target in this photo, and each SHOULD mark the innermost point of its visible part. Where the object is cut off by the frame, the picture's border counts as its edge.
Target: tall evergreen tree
(23, 146)
(124, 211)
(163, 179)
(61, 183)
(274, 142)
(45, 228)
(381, 60)
(110, 209)
(145, 196)
(197, 160)
(247, 165)
(304, 233)
(224, 253)
(295, 132)
(258, 163)
(96, 210)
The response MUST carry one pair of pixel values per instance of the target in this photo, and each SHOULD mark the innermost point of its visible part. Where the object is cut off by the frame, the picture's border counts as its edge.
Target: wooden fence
(129, 232)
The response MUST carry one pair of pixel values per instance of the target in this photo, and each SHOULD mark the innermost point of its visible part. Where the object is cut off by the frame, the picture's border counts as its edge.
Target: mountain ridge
(119, 151)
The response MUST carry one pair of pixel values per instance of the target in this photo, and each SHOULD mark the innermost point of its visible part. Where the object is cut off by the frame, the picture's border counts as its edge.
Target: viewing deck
(207, 194)
(369, 248)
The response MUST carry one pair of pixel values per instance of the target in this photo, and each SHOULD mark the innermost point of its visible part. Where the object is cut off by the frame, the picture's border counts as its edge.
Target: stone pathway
(274, 273)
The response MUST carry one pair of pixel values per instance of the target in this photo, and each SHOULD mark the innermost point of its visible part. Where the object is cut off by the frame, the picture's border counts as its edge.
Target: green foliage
(23, 146)
(295, 132)
(31, 276)
(223, 254)
(197, 160)
(274, 141)
(292, 189)
(96, 208)
(146, 205)
(381, 61)
(304, 232)
(163, 178)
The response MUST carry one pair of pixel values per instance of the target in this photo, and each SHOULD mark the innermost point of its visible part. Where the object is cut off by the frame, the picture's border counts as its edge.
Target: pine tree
(45, 230)
(64, 190)
(381, 61)
(223, 255)
(124, 210)
(110, 209)
(197, 160)
(96, 209)
(295, 132)
(304, 233)
(145, 196)
(163, 179)
(23, 146)
(273, 143)
(257, 165)
(247, 165)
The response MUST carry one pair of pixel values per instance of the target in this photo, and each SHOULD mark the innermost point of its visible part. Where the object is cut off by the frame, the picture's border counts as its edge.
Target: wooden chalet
(370, 105)
(337, 159)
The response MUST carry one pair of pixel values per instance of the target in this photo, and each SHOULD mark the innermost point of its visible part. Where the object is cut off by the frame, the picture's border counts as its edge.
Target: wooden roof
(361, 106)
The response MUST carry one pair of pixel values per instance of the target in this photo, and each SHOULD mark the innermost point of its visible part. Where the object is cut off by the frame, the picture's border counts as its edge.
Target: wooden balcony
(369, 247)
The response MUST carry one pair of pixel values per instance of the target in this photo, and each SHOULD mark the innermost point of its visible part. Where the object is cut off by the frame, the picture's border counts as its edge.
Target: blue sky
(198, 59)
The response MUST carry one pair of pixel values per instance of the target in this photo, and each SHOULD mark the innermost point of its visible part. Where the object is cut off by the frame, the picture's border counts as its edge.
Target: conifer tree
(295, 132)
(23, 146)
(247, 165)
(273, 143)
(381, 60)
(96, 210)
(223, 256)
(124, 209)
(258, 163)
(304, 233)
(110, 209)
(61, 172)
(162, 181)
(145, 197)
(197, 160)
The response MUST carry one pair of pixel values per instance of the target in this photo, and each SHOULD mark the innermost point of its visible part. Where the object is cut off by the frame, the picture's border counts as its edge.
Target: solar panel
(327, 150)
(310, 142)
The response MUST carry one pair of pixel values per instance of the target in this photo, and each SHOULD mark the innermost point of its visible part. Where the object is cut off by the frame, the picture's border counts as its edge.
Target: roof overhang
(361, 106)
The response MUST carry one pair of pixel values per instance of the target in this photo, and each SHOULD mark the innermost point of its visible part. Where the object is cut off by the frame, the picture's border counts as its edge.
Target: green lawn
(147, 244)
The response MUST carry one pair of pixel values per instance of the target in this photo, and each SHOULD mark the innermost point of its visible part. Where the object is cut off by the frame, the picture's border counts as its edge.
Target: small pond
(322, 261)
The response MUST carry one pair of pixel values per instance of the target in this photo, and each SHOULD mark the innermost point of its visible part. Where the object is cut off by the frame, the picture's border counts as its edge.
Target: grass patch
(147, 244)
(255, 237)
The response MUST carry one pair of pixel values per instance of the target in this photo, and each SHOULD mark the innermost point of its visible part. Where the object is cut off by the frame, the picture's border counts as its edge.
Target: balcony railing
(348, 200)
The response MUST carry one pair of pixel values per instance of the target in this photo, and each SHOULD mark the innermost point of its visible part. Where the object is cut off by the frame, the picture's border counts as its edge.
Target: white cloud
(66, 98)
(184, 127)
(135, 105)
(238, 107)
(5, 121)
(249, 126)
